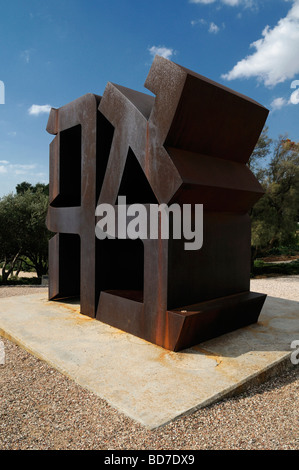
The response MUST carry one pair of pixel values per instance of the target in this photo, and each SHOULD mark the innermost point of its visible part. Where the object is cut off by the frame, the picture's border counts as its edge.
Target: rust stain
(71, 308)
(181, 360)
(161, 356)
(209, 355)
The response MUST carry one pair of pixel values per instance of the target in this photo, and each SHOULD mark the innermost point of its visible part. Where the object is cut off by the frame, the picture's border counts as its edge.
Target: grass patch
(283, 251)
(22, 281)
(262, 268)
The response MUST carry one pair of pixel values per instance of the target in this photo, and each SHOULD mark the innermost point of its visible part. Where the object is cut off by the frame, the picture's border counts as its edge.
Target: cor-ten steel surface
(187, 144)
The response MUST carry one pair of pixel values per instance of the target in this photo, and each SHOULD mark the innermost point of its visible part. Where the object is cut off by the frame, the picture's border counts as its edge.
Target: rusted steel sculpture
(188, 144)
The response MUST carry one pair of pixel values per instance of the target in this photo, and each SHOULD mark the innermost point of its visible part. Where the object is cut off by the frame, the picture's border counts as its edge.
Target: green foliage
(260, 153)
(283, 250)
(24, 186)
(261, 268)
(275, 216)
(13, 281)
(23, 233)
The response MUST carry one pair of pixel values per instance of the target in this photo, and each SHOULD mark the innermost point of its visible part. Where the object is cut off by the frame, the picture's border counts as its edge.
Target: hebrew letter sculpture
(187, 144)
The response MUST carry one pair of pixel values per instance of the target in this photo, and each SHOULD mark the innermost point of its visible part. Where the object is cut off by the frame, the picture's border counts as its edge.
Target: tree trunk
(19, 268)
(41, 269)
(6, 274)
(253, 256)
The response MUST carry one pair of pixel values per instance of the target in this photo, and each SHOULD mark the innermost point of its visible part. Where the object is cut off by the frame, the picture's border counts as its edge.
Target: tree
(37, 246)
(35, 204)
(21, 188)
(259, 154)
(10, 236)
(23, 233)
(275, 216)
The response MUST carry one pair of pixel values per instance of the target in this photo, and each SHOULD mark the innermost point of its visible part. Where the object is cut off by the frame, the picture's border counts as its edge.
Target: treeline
(24, 236)
(275, 216)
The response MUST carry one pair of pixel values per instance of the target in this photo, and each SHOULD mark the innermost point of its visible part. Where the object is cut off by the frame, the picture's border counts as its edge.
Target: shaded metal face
(187, 145)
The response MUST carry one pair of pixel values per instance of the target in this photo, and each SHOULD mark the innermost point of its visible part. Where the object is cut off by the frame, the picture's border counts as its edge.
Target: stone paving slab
(147, 383)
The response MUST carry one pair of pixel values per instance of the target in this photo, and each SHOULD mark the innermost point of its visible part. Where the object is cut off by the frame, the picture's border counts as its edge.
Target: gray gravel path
(41, 409)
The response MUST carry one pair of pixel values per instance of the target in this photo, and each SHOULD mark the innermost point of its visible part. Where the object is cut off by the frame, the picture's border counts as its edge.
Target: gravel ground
(41, 409)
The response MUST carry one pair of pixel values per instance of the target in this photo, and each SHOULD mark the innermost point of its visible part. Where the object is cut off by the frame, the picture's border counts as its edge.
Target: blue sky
(54, 51)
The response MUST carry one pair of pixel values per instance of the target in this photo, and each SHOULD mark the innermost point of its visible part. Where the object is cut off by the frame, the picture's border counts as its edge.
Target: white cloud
(13, 173)
(163, 51)
(16, 168)
(25, 55)
(276, 58)
(213, 28)
(199, 21)
(205, 2)
(19, 169)
(278, 103)
(232, 3)
(36, 109)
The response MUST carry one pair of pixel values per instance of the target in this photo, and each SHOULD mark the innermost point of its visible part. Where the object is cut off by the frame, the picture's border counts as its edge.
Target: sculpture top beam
(206, 117)
(193, 136)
